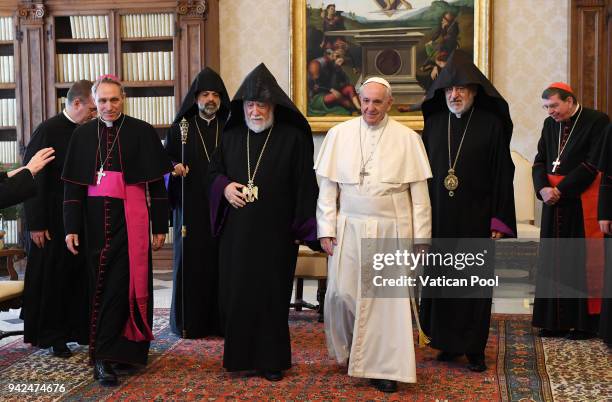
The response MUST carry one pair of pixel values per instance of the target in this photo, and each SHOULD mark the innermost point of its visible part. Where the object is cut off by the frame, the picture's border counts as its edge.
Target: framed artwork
(338, 44)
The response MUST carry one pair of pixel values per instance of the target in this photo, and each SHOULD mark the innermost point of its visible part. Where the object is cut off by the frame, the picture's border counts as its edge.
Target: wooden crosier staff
(184, 126)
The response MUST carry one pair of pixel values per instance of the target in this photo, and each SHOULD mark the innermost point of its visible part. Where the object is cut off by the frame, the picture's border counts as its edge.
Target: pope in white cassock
(372, 175)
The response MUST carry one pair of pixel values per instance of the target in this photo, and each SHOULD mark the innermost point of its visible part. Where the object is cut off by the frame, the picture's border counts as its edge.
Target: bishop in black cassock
(56, 298)
(481, 207)
(605, 220)
(195, 292)
(110, 162)
(257, 249)
(565, 177)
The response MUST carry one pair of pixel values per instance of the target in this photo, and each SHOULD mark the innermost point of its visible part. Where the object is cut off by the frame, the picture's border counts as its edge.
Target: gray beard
(258, 128)
(465, 108)
(207, 111)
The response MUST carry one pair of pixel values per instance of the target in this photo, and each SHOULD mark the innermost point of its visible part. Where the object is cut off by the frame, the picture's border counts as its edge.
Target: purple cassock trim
(500, 226)
(218, 204)
(305, 230)
(167, 180)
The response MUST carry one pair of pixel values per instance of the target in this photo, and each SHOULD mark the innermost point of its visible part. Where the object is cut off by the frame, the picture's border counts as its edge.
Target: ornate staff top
(184, 126)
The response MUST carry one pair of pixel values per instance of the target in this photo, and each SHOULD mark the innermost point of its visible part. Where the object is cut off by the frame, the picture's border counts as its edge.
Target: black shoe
(576, 335)
(476, 363)
(61, 350)
(104, 373)
(447, 356)
(388, 386)
(273, 375)
(551, 333)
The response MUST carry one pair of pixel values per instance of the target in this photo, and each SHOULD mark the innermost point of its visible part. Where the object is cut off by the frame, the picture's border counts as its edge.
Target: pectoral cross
(362, 174)
(251, 192)
(101, 174)
(556, 164)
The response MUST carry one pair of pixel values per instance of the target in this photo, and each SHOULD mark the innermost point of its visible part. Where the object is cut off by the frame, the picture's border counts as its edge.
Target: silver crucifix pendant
(556, 164)
(100, 174)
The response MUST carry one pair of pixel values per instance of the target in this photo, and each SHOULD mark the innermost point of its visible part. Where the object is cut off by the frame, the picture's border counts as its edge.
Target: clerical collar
(575, 111)
(206, 119)
(109, 123)
(380, 124)
(68, 116)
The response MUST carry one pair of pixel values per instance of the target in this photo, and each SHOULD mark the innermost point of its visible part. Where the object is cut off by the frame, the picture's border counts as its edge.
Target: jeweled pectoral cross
(556, 164)
(100, 174)
(362, 175)
(251, 192)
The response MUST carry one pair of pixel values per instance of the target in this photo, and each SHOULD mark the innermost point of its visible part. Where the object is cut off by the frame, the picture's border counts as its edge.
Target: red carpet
(191, 370)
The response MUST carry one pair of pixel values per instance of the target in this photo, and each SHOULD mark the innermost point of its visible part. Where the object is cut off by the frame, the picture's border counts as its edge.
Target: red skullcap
(563, 86)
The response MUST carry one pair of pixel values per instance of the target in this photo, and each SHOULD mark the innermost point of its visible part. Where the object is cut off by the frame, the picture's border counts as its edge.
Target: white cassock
(391, 202)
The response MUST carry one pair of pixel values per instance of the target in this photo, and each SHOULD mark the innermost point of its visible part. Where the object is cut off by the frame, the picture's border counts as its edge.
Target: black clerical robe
(257, 252)
(16, 189)
(198, 285)
(55, 301)
(137, 154)
(605, 213)
(561, 268)
(483, 201)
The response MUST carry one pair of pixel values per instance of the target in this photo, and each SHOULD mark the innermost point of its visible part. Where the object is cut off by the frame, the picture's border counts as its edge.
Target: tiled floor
(511, 299)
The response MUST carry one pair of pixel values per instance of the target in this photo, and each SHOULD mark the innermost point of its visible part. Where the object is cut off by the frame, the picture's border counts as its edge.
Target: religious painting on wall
(338, 44)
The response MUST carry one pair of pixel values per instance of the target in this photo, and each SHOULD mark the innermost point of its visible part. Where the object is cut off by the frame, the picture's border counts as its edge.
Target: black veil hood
(206, 80)
(461, 71)
(260, 85)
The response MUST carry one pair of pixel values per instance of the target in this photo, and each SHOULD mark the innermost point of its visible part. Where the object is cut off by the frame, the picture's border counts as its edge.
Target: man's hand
(180, 170)
(606, 227)
(40, 159)
(233, 195)
(550, 195)
(495, 235)
(328, 244)
(158, 241)
(72, 242)
(39, 236)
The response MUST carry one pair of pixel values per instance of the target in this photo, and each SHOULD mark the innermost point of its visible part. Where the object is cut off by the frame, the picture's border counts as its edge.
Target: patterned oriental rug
(191, 370)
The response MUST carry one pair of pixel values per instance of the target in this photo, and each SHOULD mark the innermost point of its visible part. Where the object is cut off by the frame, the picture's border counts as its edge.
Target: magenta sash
(137, 223)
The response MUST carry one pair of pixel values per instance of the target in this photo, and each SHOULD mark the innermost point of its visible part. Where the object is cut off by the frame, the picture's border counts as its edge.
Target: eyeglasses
(552, 106)
(458, 89)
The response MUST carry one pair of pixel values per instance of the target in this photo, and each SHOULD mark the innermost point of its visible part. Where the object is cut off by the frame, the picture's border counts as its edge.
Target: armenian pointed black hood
(206, 80)
(461, 71)
(260, 85)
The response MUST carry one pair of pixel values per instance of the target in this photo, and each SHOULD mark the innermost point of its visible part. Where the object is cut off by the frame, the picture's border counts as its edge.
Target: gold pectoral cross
(100, 174)
(250, 192)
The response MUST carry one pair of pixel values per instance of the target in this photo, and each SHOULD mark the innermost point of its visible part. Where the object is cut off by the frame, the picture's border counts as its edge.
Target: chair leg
(299, 294)
(321, 289)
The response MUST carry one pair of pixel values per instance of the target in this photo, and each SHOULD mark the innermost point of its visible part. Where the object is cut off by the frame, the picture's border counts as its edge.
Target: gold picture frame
(299, 76)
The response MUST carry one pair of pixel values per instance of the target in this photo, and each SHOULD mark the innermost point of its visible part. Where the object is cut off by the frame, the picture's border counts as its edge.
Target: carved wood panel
(590, 60)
